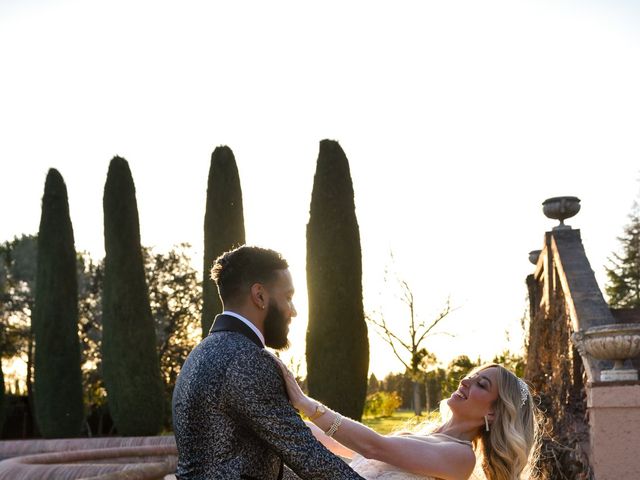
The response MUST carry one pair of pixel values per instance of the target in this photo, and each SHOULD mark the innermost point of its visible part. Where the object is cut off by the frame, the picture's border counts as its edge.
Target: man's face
(280, 312)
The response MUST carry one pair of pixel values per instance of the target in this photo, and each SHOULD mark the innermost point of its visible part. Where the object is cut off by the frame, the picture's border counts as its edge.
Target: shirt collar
(247, 322)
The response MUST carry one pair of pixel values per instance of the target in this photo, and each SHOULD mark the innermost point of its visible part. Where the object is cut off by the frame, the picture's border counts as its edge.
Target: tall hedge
(223, 225)
(337, 341)
(130, 363)
(58, 380)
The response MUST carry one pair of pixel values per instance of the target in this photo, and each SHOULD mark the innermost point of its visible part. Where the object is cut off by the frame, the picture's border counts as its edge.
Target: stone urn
(617, 342)
(534, 255)
(561, 208)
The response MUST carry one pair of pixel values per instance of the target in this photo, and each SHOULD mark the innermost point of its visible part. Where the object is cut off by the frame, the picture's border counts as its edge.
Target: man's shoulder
(249, 355)
(217, 342)
(253, 366)
(218, 351)
(237, 350)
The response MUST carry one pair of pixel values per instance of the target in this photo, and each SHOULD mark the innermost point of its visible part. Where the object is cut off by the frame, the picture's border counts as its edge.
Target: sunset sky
(458, 119)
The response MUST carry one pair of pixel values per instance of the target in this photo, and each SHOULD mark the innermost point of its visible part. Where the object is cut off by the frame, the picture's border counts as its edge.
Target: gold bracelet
(334, 426)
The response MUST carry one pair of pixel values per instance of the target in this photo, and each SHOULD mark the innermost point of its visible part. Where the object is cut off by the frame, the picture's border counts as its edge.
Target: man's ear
(259, 295)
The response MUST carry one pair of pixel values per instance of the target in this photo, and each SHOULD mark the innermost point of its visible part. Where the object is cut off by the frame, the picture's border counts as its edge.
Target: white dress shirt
(247, 323)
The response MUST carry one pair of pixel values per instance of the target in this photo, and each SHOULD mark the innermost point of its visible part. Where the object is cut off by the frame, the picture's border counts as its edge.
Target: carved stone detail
(616, 342)
(577, 338)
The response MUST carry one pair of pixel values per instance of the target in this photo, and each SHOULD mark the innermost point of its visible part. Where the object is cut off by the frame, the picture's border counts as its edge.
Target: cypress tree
(337, 342)
(130, 364)
(223, 225)
(623, 285)
(3, 399)
(58, 379)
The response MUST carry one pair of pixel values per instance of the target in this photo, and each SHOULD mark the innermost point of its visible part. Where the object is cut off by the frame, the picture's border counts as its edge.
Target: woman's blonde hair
(512, 444)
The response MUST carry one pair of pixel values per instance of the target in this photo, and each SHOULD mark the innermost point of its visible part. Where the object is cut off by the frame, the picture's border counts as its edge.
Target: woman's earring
(486, 424)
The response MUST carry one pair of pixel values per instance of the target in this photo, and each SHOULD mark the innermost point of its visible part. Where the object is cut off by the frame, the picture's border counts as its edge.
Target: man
(232, 418)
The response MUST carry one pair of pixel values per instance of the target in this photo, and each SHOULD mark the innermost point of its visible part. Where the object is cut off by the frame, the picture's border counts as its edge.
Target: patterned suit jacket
(232, 418)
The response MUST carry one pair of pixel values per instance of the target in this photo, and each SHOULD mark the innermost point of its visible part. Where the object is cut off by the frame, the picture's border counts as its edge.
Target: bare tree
(413, 355)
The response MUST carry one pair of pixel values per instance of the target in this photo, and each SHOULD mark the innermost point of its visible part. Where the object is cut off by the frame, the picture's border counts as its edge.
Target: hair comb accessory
(524, 391)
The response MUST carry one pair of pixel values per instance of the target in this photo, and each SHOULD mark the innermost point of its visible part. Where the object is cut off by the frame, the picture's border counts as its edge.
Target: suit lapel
(227, 323)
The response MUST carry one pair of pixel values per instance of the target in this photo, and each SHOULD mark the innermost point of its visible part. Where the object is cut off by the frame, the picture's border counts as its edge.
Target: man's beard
(276, 328)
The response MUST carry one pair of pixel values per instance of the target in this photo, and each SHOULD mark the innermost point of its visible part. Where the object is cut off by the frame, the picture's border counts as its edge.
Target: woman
(492, 415)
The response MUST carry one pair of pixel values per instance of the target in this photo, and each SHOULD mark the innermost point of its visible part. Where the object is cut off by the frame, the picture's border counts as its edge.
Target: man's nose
(294, 312)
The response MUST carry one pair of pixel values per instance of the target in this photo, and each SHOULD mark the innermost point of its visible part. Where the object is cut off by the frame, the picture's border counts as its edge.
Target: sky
(458, 119)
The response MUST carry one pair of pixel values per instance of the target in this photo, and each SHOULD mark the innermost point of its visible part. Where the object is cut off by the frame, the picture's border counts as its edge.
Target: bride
(493, 417)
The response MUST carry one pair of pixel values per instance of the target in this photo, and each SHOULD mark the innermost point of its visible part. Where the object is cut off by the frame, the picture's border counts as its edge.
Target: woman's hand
(296, 396)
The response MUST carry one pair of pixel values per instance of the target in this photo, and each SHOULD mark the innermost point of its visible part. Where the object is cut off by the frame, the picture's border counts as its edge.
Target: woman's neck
(460, 429)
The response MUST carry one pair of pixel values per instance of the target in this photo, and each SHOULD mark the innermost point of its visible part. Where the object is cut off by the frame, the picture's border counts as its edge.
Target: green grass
(400, 420)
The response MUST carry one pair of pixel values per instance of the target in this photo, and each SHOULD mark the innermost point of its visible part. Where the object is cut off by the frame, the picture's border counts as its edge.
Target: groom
(231, 415)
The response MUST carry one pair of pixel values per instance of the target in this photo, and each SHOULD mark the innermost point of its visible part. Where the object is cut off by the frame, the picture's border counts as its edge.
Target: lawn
(399, 421)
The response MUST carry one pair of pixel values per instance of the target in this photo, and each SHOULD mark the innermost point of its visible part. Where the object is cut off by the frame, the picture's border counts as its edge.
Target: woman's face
(475, 395)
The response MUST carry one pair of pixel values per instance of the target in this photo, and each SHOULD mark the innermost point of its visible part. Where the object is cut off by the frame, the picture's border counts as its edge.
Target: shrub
(381, 404)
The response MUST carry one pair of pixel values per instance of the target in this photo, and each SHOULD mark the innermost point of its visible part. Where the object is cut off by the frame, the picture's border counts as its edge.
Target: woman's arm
(447, 460)
(334, 447)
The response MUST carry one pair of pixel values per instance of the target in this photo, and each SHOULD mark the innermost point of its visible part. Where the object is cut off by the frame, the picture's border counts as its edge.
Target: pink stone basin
(613, 342)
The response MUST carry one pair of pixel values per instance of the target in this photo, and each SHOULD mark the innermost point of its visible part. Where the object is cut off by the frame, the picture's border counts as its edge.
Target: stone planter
(534, 255)
(561, 208)
(617, 342)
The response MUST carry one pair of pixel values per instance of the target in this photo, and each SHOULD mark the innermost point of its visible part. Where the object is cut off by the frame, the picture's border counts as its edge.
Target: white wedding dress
(375, 470)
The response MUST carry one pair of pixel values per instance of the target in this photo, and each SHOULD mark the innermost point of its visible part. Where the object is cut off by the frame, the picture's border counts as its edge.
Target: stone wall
(593, 427)
(614, 416)
(564, 297)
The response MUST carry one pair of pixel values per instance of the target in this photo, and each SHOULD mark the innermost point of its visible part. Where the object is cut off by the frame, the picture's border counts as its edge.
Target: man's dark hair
(236, 270)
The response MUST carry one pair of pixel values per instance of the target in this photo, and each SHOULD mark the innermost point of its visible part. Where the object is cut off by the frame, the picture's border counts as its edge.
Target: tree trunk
(30, 405)
(427, 395)
(417, 408)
